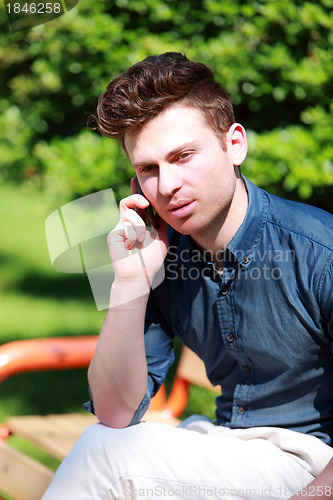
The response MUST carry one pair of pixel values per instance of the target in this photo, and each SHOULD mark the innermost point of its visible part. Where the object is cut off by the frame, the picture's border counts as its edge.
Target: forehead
(170, 129)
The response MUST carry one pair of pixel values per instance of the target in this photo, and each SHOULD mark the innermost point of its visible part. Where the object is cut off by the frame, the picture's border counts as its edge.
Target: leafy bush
(274, 58)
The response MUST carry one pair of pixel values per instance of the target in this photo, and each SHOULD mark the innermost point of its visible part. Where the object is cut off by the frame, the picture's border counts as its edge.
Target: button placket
(228, 277)
(228, 331)
(242, 392)
(226, 315)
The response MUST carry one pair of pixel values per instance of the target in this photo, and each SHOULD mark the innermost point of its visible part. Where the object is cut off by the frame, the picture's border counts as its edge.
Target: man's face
(183, 170)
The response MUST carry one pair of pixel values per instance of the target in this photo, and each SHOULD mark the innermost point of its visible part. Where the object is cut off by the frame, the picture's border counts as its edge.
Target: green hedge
(275, 58)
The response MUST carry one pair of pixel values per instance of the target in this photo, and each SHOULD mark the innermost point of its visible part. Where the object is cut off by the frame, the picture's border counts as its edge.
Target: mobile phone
(152, 216)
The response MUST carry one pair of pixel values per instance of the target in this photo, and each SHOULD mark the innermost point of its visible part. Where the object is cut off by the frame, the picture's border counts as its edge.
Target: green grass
(36, 301)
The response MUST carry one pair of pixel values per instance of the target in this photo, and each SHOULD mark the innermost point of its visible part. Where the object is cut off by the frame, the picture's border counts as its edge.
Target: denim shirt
(264, 328)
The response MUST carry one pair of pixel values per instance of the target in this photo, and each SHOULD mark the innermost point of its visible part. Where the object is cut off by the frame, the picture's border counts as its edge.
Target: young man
(247, 286)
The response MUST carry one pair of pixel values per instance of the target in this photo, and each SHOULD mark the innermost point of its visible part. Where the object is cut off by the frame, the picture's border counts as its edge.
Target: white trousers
(201, 461)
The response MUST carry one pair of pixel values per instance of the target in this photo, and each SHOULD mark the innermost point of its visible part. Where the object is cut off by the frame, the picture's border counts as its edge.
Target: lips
(181, 208)
(179, 204)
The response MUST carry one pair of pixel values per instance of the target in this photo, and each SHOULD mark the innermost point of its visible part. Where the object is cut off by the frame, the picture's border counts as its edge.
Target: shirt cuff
(142, 408)
(89, 405)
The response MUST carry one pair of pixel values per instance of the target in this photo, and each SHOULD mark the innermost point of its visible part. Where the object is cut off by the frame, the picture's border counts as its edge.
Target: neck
(217, 236)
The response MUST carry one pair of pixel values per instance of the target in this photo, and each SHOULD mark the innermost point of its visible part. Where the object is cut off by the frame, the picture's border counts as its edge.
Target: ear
(237, 143)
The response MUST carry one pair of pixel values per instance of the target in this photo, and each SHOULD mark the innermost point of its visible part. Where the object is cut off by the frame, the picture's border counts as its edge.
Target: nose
(169, 179)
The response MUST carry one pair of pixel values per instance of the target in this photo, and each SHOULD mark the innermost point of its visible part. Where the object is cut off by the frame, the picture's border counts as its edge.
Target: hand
(136, 252)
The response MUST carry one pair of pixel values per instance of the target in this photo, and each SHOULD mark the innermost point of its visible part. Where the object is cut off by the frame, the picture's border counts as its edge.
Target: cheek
(219, 188)
(149, 188)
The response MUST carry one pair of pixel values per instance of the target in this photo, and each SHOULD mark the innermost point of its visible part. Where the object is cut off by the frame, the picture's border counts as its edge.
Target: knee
(90, 467)
(107, 442)
(99, 438)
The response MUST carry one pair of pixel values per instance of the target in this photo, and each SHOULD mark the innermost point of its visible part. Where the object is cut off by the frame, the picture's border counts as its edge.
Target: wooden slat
(73, 423)
(55, 434)
(22, 477)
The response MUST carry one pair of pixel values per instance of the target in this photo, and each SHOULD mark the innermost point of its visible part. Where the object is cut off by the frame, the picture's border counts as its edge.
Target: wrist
(132, 291)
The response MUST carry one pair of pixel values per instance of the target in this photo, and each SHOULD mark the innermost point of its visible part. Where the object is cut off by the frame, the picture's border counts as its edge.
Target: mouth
(181, 209)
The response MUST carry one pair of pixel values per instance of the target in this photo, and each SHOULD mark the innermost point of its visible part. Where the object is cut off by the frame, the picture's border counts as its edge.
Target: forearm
(118, 372)
(320, 487)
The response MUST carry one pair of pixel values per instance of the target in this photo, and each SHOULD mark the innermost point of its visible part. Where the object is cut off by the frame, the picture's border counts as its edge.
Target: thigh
(152, 460)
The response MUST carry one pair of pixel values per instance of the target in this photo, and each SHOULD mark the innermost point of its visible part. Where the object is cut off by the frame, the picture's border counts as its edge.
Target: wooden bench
(24, 478)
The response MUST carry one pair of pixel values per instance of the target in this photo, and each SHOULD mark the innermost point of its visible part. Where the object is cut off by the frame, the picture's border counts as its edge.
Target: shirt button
(224, 292)
(247, 369)
(230, 337)
(241, 410)
(245, 260)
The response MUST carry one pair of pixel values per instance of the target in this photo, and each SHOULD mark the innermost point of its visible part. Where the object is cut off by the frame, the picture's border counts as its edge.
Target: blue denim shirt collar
(245, 241)
(243, 244)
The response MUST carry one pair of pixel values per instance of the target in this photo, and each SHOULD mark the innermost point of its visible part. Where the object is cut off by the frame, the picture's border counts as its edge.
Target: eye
(182, 157)
(147, 168)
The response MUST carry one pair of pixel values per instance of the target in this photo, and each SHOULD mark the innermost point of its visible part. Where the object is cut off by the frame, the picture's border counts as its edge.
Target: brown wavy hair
(150, 86)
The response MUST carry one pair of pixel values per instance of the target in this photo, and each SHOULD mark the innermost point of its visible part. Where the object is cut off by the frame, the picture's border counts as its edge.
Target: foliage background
(275, 58)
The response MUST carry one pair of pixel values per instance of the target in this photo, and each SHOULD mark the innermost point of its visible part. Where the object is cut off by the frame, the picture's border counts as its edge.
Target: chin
(188, 227)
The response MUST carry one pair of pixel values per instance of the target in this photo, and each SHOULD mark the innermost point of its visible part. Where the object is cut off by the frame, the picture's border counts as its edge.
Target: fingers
(134, 185)
(132, 236)
(132, 202)
(131, 228)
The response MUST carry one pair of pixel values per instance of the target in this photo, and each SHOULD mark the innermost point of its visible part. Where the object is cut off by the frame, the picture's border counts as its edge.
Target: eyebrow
(179, 149)
(170, 154)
